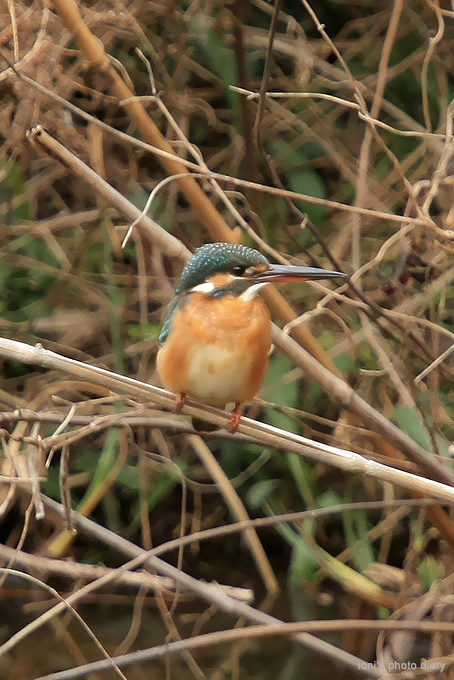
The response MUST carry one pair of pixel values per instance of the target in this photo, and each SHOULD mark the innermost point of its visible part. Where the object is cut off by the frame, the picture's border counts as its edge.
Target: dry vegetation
(321, 133)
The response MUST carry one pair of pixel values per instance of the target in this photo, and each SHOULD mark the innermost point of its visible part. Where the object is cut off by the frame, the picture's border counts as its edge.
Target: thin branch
(229, 636)
(170, 245)
(90, 572)
(150, 560)
(237, 509)
(267, 434)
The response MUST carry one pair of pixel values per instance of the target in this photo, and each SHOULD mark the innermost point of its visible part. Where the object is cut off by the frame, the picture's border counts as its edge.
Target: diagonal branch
(263, 433)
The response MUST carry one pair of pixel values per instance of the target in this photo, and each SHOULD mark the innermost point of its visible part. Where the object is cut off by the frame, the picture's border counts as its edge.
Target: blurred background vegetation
(358, 113)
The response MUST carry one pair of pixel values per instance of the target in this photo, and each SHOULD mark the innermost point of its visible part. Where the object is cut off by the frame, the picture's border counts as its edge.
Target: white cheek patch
(251, 292)
(206, 287)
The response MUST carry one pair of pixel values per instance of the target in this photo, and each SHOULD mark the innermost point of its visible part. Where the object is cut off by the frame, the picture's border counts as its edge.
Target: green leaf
(386, 270)
(260, 492)
(128, 478)
(161, 487)
(281, 393)
(51, 485)
(104, 463)
(349, 578)
(356, 533)
(285, 156)
(405, 420)
(13, 185)
(308, 181)
(430, 571)
(138, 332)
(344, 362)
(326, 339)
(409, 421)
(221, 60)
(304, 478)
(300, 177)
(303, 563)
(328, 499)
(311, 396)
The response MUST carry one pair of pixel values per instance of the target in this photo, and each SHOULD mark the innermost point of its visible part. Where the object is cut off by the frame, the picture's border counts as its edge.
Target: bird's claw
(235, 419)
(179, 402)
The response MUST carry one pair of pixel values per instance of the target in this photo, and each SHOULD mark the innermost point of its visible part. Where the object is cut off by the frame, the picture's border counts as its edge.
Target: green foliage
(51, 485)
(279, 393)
(300, 177)
(13, 191)
(115, 310)
(267, 495)
(48, 271)
(430, 571)
(94, 257)
(344, 362)
(366, 357)
(159, 488)
(328, 499)
(260, 492)
(138, 332)
(409, 421)
(222, 61)
(103, 464)
(303, 562)
(274, 213)
(356, 532)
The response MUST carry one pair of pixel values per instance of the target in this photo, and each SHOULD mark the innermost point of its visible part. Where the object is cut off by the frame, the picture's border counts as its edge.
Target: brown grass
(320, 134)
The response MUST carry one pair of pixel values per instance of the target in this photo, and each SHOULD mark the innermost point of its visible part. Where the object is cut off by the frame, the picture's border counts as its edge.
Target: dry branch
(330, 379)
(90, 572)
(264, 434)
(284, 629)
(150, 560)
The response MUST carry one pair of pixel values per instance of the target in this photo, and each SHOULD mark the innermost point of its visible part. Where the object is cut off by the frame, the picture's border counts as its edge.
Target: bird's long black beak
(282, 272)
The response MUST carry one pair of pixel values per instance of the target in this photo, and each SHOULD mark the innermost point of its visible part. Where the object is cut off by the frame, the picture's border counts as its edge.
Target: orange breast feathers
(217, 349)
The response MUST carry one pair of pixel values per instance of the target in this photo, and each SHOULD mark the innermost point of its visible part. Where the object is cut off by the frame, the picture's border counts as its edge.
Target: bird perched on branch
(216, 336)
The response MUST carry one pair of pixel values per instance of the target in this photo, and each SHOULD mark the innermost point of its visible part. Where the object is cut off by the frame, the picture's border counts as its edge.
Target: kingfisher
(216, 336)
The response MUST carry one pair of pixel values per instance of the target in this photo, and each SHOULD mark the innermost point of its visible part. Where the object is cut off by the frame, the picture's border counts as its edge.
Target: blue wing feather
(167, 325)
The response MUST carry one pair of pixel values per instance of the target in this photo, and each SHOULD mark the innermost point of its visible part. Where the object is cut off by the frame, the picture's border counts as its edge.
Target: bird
(216, 335)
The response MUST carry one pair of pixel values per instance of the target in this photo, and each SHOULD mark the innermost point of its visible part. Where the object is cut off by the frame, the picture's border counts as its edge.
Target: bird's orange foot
(235, 418)
(179, 402)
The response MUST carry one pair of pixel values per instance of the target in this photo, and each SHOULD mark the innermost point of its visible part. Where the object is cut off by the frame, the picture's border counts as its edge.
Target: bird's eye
(238, 269)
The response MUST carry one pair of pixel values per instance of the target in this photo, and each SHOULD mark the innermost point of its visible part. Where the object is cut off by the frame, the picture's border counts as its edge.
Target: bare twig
(268, 435)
